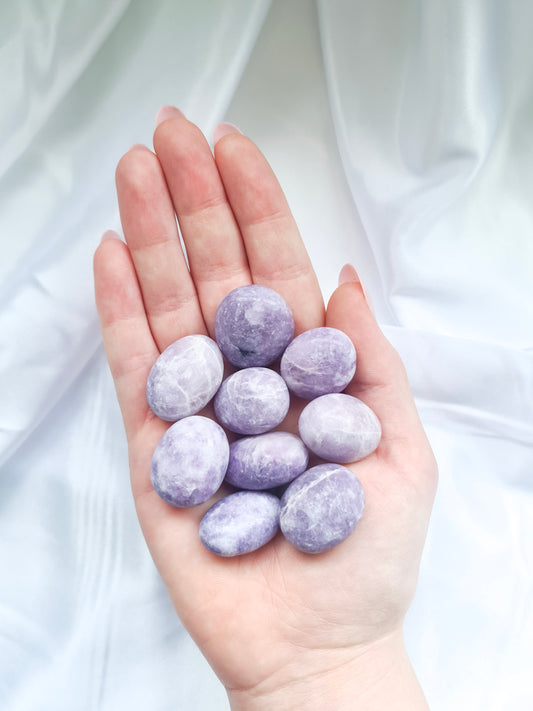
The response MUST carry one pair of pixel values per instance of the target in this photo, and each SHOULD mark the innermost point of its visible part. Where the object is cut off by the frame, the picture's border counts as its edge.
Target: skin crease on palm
(270, 619)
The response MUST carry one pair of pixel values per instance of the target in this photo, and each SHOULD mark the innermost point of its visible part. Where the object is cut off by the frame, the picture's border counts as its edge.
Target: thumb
(380, 377)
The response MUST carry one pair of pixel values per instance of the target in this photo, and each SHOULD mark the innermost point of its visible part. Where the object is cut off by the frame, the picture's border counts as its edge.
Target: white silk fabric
(402, 134)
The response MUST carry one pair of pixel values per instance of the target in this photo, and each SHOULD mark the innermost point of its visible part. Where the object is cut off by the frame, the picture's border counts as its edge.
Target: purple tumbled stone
(190, 461)
(253, 326)
(184, 378)
(240, 523)
(252, 401)
(318, 361)
(339, 428)
(321, 508)
(266, 461)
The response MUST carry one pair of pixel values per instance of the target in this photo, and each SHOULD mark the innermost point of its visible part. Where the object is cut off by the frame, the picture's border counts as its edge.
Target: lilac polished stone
(190, 461)
(318, 361)
(240, 523)
(252, 401)
(185, 377)
(339, 428)
(321, 508)
(253, 326)
(266, 461)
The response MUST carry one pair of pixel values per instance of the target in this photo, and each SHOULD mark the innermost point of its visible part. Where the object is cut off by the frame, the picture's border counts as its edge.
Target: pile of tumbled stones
(320, 506)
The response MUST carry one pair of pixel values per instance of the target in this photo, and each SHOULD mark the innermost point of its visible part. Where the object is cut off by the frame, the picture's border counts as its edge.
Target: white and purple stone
(321, 508)
(266, 461)
(318, 361)
(253, 326)
(339, 428)
(190, 461)
(252, 401)
(240, 523)
(185, 377)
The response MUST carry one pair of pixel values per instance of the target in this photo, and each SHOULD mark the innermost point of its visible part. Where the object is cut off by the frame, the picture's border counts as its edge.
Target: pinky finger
(129, 345)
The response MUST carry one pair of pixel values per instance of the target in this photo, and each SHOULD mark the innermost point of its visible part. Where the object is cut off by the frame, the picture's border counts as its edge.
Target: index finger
(276, 253)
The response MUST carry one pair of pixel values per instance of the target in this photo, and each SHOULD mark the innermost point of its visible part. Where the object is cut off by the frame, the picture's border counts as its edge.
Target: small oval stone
(252, 401)
(266, 461)
(339, 428)
(190, 461)
(253, 326)
(240, 523)
(318, 361)
(321, 508)
(185, 377)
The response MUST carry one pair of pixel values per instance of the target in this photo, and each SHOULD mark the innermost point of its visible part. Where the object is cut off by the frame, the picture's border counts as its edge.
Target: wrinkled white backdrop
(403, 135)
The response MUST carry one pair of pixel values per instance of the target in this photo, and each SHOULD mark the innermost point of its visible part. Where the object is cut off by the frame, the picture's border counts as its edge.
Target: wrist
(367, 678)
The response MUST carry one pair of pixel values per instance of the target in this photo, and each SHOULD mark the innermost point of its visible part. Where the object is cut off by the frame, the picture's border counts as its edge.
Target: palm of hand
(253, 616)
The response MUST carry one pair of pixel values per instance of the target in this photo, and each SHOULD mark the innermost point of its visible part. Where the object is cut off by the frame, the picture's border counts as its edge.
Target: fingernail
(139, 147)
(110, 234)
(166, 112)
(223, 129)
(349, 274)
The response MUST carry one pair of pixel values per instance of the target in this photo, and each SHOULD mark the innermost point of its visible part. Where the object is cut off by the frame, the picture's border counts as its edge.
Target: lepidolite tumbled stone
(240, 523)
(318, 361)
(253, 326)
(339, 428)
(266, 461)
(184, 378)
(190, 461)
(321, 508)
(252, 401)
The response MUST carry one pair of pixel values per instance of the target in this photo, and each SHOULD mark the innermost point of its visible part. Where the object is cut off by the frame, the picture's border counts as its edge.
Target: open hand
(277, 623)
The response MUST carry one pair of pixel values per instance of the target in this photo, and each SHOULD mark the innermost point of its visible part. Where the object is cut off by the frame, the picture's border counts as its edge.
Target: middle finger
(216, 254)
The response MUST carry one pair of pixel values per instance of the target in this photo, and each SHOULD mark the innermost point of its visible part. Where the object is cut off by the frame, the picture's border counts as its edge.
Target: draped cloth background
(403, 135)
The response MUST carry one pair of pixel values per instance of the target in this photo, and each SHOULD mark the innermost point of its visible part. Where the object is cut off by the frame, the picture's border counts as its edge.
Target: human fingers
(380, 379)
(216, 254)
(150, 230)
(276, 253)
(130, 347)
